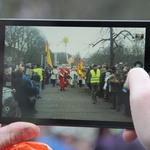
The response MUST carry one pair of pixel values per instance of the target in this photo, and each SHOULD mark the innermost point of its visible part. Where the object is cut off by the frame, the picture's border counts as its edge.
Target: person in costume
(63, 77)
(73, 77)
(54, 73)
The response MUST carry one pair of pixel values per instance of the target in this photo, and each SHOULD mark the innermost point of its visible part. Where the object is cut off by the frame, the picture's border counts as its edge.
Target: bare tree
(24, 43)
(115, 39)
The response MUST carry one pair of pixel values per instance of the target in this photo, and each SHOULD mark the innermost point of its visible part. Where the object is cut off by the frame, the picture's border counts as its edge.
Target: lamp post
(65, 40)
(42, 58)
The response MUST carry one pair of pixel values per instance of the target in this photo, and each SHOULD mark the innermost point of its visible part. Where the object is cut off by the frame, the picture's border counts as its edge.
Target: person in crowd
(25, 91)
(39, 70)
(16, 80)
(138, 64)
(36, 81)
(44, 77)
(125, 93)
(87, 74)
(106, 86)
(94, 79)
(116, 81)
(103, 70)
(119, 86)
(73, 77)
(16, 76)
(67, 70)
(111, 83)
(54, 74)
(63, 77)
(80, 81)
(7, 76)
(119, 66)
(47, 75)
(81, 77)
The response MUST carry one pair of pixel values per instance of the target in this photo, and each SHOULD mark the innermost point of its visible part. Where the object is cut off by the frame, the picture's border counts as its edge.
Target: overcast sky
(80, 38)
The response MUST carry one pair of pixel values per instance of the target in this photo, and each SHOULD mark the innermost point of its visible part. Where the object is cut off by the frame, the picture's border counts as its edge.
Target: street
(75, 103)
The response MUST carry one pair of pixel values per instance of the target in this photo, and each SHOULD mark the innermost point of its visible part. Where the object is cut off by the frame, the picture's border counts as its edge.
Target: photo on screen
(46, 71)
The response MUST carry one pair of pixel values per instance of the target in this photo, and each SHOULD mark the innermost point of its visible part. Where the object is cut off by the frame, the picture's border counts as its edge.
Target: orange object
(29, 146)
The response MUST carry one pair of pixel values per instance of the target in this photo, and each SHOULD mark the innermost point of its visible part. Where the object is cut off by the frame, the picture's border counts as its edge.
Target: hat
(20, 70)
(94, 65)
(138, 64)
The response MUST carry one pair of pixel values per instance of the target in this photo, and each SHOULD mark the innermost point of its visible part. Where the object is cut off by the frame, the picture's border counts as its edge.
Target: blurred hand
(17, 132)
(138, 82)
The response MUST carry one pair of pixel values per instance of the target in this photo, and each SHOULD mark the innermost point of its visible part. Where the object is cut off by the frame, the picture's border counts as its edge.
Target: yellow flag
(79, 67)
(48, 55)
(80, 71)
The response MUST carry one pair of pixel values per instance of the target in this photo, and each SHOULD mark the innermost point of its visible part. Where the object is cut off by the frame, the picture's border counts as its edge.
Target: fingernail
(30, 132)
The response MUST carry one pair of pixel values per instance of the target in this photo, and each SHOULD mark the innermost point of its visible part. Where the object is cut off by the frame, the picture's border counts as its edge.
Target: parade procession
(66, 84)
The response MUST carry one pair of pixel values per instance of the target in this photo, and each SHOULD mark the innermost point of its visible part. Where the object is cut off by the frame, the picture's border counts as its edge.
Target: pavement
(75, 103)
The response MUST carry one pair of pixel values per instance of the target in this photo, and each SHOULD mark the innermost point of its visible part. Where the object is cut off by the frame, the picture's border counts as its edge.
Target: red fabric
(63, 77)
(67, 76)
(29, 146)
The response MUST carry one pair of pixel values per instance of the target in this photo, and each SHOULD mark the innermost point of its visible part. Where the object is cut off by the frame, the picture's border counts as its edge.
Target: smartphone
(38, 56)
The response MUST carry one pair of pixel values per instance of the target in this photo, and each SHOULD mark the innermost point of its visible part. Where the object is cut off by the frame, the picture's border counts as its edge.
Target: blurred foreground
(79, 138)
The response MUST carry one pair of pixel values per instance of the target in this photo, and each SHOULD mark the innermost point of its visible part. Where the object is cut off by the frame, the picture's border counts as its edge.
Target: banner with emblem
(71, 60)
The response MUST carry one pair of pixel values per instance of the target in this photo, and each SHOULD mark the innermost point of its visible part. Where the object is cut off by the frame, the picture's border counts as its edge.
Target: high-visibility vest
(40, 73)
(95, 77)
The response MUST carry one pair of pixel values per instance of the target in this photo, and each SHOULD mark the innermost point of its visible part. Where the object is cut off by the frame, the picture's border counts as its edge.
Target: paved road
(75, 103)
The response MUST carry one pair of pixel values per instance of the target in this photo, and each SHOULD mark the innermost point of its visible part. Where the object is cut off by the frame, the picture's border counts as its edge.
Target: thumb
(138, 83)
(17, 132)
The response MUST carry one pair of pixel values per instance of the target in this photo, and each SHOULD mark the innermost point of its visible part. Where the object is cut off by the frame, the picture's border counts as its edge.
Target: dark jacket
(24, 90)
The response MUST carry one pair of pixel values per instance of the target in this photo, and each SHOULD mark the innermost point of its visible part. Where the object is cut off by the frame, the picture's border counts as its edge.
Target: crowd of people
(108, 83)
(102, 81)
(27, 84)
(29, 80)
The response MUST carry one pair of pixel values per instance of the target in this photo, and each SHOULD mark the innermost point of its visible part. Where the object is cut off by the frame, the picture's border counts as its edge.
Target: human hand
(17, 132)
(138, 82)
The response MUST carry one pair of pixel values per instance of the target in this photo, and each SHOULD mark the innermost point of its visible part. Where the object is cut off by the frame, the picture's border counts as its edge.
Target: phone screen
(46, 66)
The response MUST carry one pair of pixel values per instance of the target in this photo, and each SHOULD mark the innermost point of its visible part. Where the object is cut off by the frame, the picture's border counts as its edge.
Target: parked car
(10, 106)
